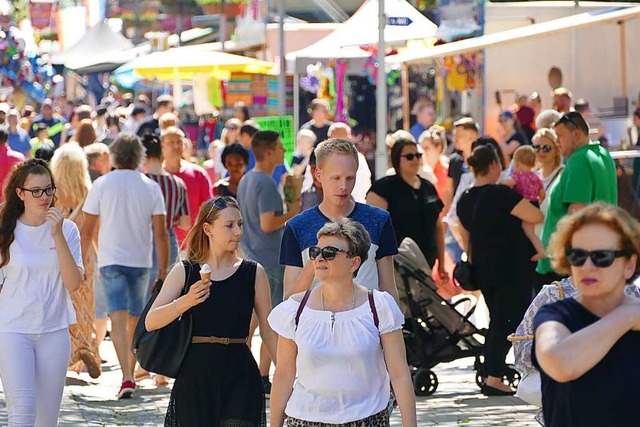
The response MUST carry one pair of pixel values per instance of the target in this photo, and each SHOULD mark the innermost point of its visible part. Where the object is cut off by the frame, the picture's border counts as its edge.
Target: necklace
(353, 299)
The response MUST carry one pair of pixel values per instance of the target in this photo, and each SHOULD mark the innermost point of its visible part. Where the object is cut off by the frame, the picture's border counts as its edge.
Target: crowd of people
(102, 205)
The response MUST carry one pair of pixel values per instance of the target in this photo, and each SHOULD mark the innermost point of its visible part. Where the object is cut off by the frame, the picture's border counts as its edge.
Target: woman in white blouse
(330, 339)
(40, 265)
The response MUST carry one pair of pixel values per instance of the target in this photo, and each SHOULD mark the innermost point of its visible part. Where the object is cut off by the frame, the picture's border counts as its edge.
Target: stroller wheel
(425, 382)
(480, 380)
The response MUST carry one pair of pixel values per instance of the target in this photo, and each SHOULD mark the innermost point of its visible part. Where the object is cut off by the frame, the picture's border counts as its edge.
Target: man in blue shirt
(54, 123)
(425, 118)
(337, 163)
(18, 138)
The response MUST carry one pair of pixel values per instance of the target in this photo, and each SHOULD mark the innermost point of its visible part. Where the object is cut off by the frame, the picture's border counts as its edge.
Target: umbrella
(184, 63)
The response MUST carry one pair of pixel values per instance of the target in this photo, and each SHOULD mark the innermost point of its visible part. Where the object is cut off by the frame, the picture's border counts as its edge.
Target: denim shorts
(276, 283)
(125, 288)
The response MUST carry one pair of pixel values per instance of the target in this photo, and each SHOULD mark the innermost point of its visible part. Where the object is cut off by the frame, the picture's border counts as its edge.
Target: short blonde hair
(613, 217)
(168, 120)
(172, 130)
(306, 133)
(526, 155)
(550, 134)
(335, 146)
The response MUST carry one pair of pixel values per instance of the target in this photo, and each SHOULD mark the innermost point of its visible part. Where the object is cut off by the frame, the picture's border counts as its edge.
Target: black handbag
(463, 274)
(163, 350)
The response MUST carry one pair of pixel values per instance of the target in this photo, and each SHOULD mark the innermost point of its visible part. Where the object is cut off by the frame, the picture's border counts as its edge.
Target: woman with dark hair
(412, 202)
(42, 261)
(241, 111)
(513, 135)
(113, 129)
(235, 159)
(219, 383)
(491, 217)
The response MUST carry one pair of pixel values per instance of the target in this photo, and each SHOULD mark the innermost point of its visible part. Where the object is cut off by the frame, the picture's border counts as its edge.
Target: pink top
(199, 190)
(8, 158)
(528, 184)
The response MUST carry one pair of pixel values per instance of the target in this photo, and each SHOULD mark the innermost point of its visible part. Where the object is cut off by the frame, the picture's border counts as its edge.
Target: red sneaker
(126, 390)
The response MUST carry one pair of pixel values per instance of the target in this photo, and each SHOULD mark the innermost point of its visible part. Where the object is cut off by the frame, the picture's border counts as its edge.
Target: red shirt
(8, 158)
(199, 190)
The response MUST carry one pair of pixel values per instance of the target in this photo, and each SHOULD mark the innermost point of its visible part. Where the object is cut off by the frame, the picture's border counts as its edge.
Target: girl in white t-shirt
(342, 322)
(40, 264)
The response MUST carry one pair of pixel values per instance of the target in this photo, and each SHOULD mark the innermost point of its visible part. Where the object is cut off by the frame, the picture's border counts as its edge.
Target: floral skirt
(381, 419)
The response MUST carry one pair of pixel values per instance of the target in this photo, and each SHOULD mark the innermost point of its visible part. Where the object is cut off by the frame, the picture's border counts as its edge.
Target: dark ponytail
(13, 207)
(481, 159)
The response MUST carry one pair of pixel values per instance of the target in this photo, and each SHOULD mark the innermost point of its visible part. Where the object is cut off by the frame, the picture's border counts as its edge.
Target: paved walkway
(457, 402)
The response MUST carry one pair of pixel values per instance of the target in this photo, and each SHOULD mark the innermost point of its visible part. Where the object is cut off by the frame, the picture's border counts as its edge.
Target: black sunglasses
(328, 252)
(38, 192)
(569, 118)
(601, 258)
(412, 156)
(543, 148)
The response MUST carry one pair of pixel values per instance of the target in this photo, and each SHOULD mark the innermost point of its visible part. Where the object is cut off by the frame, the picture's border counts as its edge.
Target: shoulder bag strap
(305, 298)
(374, 311)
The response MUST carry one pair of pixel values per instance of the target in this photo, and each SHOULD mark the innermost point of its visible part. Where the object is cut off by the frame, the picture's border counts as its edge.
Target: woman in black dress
(413, 203)
(219, 384)
(491, 219)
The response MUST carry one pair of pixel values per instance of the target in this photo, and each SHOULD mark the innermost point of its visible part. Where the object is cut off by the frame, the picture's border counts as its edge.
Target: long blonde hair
(71, 171)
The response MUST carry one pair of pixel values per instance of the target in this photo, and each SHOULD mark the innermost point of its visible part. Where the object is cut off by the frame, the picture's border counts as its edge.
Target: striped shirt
(175, 197)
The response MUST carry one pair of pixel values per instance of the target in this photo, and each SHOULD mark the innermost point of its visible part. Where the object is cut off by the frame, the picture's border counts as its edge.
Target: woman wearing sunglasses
(413, 204)
(342, 342)
(219, 382)
(41, 265)
(586, 347)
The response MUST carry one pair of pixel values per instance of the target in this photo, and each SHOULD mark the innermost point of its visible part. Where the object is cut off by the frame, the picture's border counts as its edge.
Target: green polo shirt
(589, 176)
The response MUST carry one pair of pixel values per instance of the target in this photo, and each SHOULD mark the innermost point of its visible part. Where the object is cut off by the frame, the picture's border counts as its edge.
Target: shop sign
(284, 126)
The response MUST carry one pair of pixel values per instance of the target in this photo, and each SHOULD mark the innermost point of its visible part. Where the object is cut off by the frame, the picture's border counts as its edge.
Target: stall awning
(583, 20)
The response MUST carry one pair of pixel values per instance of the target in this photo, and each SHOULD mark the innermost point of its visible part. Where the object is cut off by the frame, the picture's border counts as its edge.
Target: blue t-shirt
(605, 395)
(20, 141)
(258, 194)
(301, 230)
(416, 130)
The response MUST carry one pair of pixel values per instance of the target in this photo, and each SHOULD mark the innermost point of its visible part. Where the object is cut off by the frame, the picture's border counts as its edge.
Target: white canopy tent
(362, 30)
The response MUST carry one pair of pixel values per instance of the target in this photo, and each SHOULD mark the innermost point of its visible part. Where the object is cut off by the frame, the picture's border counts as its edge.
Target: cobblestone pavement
(457, 402)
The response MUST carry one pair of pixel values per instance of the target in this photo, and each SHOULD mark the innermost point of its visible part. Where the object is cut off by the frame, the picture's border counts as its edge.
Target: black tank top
(227, 311)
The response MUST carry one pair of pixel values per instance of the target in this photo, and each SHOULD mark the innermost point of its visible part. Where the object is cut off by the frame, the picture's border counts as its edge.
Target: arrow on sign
(400, 21)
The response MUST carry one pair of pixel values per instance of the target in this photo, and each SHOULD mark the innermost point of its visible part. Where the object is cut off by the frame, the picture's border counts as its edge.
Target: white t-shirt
(126, 201)
(342, 375)
(33, 299)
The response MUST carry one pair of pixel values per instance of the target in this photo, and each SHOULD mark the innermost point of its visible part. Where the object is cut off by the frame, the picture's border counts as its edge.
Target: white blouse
(341, 373)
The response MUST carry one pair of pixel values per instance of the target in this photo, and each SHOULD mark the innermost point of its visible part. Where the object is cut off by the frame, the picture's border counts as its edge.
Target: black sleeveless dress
(220, 385)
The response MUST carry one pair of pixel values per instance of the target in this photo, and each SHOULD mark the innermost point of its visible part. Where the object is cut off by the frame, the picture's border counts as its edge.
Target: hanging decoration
(459, 72)
(329, 81)
(22, 70)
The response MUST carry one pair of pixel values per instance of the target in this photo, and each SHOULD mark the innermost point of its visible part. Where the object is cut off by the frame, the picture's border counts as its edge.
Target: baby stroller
(434, 330)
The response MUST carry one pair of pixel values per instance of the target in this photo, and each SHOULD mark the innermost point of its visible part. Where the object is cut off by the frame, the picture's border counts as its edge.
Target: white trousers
(33, 369)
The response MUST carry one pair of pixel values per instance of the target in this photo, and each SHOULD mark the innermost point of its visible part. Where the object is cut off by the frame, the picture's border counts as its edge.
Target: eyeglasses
(601, 258)
(328, 252)
(412, 156)
(222, 202)
(543, 148)
(38, 192)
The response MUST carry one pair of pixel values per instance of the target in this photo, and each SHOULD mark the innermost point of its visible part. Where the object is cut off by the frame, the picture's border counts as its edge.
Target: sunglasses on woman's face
(544, 148)
(328, 252)
(412, 156)
(601, 258)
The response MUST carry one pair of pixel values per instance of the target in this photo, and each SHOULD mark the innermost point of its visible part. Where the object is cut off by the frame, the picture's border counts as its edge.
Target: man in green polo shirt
(589, 176)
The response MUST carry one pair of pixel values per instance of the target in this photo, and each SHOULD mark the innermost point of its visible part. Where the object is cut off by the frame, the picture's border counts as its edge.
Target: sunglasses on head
(221, 202)
(328, 252)
(601, 258)
(412, 156)
(543, 148)
(569, 118)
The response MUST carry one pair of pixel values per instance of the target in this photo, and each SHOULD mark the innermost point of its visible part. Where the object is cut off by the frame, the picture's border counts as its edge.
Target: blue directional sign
(400, 21)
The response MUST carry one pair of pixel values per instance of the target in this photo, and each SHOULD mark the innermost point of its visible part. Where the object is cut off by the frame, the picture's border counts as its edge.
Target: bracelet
(173, 304)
